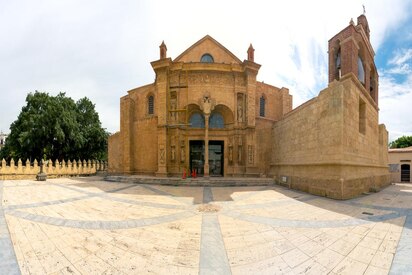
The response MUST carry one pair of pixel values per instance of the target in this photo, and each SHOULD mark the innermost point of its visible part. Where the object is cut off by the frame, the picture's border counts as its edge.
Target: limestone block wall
(52, 169)
(311, 133)
(278, 101)
(365, 141)
(332, 145)
(115, 153)
(263, 145)
(145, 146)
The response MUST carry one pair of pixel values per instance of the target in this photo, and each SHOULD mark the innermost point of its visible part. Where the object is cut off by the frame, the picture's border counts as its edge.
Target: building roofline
(207, 37)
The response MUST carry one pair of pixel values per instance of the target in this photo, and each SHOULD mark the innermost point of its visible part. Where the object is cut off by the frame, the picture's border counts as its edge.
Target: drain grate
(367, 213)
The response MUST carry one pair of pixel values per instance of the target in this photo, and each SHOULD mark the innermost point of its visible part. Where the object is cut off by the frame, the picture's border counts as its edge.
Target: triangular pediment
(208, 45)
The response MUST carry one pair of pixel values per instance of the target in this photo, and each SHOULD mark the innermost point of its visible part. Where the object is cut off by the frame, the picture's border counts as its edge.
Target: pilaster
(126, 129)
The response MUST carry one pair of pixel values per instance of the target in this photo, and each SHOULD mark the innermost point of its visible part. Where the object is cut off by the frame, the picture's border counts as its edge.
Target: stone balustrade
(54, 169)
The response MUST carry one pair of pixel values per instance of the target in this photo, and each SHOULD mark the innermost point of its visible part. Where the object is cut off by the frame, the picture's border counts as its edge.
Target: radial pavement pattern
(89, 226)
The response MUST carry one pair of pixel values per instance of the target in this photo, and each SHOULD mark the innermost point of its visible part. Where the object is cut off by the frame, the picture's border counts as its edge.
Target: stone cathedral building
(206, 111)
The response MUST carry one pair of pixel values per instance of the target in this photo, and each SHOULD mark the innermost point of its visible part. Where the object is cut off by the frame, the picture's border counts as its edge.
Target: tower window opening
(262, 106)
(361, 71)
(150, 105)
(362, 116)
(338, 66)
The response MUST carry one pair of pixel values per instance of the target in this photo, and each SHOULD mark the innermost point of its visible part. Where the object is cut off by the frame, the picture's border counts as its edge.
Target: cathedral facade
(206, 112)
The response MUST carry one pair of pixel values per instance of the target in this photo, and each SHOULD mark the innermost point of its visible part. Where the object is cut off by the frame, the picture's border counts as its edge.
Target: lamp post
(41, 176)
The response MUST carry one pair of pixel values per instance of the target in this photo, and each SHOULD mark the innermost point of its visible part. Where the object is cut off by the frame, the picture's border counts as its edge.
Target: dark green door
(197, 156)
(216, 159)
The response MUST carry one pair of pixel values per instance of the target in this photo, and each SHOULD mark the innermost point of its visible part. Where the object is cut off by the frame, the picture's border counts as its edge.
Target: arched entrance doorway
(405, 173)
(216, 158)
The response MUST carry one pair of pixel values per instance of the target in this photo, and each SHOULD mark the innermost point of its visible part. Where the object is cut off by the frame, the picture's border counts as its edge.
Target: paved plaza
(90, 226)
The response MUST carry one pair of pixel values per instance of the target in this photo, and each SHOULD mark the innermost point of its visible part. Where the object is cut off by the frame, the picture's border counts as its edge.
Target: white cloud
(395, 106)
(101, 49)
(400, 63)
(401, 56)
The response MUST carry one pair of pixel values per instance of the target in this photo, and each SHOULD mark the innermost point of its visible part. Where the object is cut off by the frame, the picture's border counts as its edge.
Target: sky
(101, 49)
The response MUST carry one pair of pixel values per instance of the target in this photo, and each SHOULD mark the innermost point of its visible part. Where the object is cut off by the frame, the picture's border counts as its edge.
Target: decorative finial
(251, 53)
(364, 10)
(351, 22)
(163, 50)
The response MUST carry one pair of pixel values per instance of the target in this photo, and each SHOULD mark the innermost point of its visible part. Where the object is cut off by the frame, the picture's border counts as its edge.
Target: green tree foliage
(56, 127)
(402, 142)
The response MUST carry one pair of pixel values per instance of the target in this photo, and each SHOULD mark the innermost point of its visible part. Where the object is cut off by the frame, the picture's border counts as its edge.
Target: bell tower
(350, 51)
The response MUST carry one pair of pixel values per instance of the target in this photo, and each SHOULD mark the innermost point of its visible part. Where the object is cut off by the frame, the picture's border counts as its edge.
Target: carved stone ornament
(182, 154)
(250, 154)
(162, 154)
(207, 104)
(173, 153)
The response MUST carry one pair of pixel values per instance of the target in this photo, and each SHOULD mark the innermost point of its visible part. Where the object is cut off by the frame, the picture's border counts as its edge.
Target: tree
(56, 127)
(402, 142)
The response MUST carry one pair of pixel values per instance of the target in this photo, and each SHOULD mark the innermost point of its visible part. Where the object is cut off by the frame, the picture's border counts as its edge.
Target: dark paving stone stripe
(377, 207)
(107, 196)
(309, 223)
(207, 195)
(8, 261)
(250, 194)
(107, 225)
(45, 203)
(163, 193)
(77, 189)
(402, 262)
(271, 204)
(30, 185)
(121, 188)
(146, 203)
(213, 257)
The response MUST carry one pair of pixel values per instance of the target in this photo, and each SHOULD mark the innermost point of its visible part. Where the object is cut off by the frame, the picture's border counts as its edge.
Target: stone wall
(397, 158)
(278, 101)
(332, 145)
(59, 169)
(115, 153)
(145, 146)
(144, 139)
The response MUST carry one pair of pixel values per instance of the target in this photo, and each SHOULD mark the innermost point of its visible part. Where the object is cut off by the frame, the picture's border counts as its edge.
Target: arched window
(216, 121)
(262, 106)
(338, 66)
(361, 71)
(197, 121)
(150, 105)
(206, 58)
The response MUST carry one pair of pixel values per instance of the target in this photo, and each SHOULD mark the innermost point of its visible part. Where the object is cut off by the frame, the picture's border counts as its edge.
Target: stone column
(207, 105)
(206, 165)
(161, 67)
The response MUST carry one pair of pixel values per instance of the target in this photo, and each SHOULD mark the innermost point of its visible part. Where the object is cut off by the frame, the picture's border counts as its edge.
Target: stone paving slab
(8, 261)
(92, 226)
